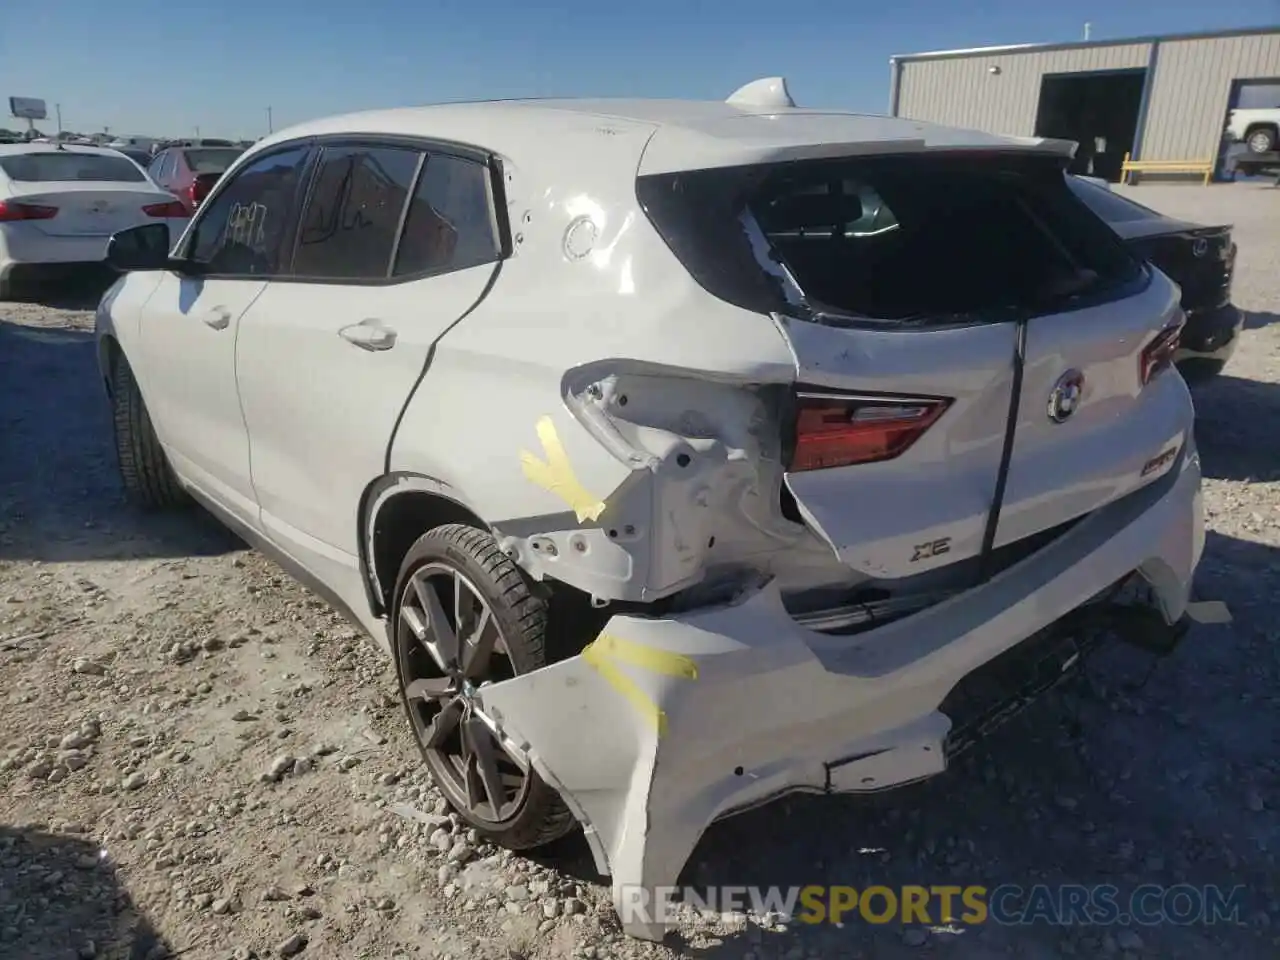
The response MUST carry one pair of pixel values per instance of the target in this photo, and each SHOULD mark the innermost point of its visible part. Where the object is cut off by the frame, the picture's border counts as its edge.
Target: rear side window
(892, 239)
(210, 161)
(354, 211)
(58, 166)
(450, 223)
(245, 228)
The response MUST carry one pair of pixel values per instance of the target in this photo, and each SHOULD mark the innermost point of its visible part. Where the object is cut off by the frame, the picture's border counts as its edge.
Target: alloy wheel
(449, 643)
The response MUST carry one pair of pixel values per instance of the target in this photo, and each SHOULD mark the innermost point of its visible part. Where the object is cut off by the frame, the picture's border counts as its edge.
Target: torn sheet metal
(701, 715)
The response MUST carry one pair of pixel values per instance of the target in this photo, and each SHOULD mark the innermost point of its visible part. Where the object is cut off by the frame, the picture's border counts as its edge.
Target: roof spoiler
(769, 92)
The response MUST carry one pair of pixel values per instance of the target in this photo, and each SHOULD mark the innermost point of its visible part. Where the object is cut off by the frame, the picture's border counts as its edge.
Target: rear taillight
(198, 190)
(11, 212)
(1158, 354)
(174, 208)
(838, 430)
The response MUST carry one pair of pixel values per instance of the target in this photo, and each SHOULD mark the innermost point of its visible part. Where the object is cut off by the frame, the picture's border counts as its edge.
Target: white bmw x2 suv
(682, 454)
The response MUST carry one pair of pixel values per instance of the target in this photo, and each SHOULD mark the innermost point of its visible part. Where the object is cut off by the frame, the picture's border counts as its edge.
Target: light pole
(270, 127)
(58, 109)
(197, 133)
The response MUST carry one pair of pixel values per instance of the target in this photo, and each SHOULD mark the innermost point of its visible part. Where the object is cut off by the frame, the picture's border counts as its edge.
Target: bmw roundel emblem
(1199, 247)
(1064, 398)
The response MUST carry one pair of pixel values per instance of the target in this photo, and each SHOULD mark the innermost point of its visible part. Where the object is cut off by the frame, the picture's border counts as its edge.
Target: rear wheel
(1261, 140)
(464, 615)
(148, 479)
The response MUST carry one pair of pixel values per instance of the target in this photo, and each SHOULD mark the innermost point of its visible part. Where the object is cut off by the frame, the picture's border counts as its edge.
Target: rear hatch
(969, 342)
(93, 194)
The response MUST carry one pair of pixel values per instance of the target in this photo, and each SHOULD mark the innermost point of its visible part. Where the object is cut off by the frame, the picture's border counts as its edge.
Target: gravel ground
(199, 758)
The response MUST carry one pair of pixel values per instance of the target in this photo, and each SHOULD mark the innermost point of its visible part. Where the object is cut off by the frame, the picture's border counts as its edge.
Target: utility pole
(270, 126)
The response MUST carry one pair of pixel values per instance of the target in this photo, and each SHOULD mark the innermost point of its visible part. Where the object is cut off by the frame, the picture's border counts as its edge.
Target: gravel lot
(199, 758)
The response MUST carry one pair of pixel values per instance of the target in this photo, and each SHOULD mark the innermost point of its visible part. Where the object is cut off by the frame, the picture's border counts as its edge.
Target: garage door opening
(1097, 110)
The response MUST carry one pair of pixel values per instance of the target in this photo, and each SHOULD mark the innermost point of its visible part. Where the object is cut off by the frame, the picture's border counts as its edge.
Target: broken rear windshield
(919, 238)
(56, 166)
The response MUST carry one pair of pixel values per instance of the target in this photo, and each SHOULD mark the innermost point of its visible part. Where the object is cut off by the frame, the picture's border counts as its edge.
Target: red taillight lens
(833, 430)
(11, 212)
(1158, 354)
(174, 208)
(198, 190)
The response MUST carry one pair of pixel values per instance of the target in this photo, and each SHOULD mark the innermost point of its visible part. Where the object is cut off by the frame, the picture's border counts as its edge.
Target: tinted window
(1111, 207)
(243, 229)
(450, 223)
(210, 161)
(66, 165)
(353, 214)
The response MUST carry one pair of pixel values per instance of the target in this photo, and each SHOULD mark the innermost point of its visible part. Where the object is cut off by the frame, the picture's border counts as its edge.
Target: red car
(189, 172)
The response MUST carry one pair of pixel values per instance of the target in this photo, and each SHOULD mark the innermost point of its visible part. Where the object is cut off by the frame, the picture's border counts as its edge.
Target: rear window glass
(891, 239)
(1111, 207)
(215, 160)
(57, 166)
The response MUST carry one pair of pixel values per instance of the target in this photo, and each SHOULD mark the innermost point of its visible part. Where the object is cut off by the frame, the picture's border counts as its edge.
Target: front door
(395, 245)
(192, 322)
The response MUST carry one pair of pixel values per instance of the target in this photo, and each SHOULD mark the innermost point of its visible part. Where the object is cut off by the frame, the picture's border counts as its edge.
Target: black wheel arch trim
(377, 495)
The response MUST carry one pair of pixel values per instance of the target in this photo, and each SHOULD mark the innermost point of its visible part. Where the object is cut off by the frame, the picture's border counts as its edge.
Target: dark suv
(189, 172)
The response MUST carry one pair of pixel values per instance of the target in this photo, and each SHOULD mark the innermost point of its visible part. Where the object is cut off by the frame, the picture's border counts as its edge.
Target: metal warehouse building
(1158, 98)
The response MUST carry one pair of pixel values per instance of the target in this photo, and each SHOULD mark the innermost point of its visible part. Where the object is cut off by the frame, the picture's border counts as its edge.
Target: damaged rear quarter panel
(605, 377)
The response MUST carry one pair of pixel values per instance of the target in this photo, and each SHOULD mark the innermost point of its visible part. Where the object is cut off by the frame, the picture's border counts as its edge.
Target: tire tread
(148, 479)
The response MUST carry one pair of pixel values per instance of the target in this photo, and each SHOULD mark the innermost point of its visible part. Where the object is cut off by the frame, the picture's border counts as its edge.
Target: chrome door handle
(219, 318)
(369, 335)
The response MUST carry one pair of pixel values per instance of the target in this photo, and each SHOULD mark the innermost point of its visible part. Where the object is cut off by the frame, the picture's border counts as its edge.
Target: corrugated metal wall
(1189, 95)
(962, 92)
(1192, 89)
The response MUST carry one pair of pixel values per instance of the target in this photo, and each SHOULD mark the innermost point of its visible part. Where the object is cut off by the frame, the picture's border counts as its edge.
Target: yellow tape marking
(606, 649)
(555, 474)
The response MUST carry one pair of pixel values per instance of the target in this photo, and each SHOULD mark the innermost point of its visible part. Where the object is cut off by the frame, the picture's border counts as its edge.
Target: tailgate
(937, 305)
(1088, 430)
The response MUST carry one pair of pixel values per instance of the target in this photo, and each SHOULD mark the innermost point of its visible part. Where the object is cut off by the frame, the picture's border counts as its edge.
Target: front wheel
(1262, 141)
(144, 469)
(464, 615)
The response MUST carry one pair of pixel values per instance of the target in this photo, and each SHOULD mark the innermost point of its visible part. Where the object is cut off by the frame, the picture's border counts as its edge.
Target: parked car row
(869, 421)
(59, 206)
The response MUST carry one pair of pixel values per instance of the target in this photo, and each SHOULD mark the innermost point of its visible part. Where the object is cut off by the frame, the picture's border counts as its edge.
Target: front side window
(61, 166)
(354, 211)
(245, 229)
(450, 224)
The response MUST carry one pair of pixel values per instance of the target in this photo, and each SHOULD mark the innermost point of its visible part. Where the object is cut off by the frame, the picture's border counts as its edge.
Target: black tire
(148, 479)
(541, 816)
(1261, 140)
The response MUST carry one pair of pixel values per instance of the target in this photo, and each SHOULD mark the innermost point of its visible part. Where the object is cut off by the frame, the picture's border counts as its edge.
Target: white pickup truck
(1258, 128)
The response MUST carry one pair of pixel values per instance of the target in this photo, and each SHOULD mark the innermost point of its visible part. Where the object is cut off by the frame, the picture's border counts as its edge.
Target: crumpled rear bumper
(662, 726)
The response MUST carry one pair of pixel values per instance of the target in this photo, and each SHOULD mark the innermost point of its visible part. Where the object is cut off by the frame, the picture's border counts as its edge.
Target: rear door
(396, 243)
